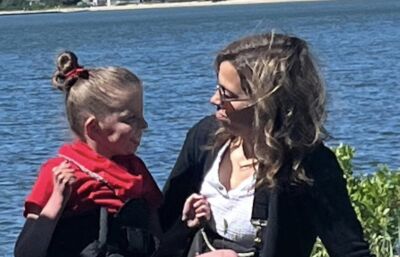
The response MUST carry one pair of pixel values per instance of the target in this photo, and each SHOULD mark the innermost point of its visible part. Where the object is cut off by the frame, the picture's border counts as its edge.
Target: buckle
(259, 222)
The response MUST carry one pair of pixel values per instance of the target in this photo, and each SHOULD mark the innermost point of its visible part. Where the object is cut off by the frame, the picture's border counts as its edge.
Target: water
(172, 50)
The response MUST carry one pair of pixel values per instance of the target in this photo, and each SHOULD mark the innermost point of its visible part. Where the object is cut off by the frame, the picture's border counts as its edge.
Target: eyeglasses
(226, 99)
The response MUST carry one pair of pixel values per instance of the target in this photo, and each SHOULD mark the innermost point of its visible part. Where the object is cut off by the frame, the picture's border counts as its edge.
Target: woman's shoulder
(203, 129)
(321, 153)
(208, 123)
(321, 164)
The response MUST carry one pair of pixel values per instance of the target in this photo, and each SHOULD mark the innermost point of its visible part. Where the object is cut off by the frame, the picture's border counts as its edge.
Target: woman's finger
(194, 197)
(200, 202)
(200, 215)
(188, 205)
(205, 211)
(201, 209)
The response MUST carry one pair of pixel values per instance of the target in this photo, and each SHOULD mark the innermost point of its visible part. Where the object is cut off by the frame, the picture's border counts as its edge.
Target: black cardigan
(296, 215)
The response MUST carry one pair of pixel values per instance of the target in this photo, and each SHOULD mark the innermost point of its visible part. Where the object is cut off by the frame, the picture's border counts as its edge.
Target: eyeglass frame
(226, 102)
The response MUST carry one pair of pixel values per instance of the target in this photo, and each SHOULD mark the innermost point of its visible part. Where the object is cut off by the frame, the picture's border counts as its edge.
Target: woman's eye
(230, 96)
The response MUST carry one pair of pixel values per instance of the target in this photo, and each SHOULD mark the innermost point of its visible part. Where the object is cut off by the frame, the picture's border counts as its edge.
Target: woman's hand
(196, 210)
(63, 179)
(220, 253)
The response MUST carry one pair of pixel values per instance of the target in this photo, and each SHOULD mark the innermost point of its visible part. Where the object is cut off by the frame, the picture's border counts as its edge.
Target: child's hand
(63, 179)
(196, 210)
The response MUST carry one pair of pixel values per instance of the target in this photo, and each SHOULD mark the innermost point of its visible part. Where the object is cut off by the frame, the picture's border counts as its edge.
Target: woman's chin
(233, 127)
(222, 118)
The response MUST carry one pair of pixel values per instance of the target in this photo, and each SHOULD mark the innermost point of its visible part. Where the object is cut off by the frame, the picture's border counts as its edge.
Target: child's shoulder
(138, 161)
(48, 165)
(132, 162)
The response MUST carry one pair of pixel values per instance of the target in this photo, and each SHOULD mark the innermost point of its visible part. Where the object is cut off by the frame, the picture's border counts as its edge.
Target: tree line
(32, 4)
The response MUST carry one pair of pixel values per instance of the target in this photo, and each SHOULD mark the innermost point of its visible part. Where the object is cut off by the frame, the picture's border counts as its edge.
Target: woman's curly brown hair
(279, 73)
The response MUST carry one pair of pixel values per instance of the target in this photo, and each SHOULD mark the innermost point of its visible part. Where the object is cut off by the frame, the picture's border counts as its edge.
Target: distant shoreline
(149, 6)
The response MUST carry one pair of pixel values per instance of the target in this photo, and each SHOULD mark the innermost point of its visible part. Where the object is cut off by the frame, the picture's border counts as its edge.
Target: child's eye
(129, 120)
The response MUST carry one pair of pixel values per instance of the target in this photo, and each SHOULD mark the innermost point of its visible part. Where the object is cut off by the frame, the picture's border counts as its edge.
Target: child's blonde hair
(98, 92)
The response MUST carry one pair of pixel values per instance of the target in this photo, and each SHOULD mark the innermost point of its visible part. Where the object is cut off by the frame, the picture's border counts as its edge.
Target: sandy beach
(149, 6)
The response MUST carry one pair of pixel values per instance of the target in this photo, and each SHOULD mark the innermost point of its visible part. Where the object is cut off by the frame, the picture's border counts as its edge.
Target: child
(105, 111)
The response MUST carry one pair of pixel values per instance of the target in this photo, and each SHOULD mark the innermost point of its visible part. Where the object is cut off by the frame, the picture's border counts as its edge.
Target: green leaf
(376, 201)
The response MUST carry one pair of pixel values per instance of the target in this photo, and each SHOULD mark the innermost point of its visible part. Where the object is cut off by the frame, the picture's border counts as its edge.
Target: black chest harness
(208, 240)
(125, 234)
(99, 234)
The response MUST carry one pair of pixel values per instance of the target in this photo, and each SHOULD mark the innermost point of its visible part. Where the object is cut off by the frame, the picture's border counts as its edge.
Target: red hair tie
(75, 72)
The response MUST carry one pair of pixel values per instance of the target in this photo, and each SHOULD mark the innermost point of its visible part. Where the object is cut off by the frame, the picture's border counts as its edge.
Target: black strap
(260, 204)
(259, 215)
(103, 231)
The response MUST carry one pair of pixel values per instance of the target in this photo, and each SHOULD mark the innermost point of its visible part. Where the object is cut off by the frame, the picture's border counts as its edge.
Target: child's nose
(144, 124)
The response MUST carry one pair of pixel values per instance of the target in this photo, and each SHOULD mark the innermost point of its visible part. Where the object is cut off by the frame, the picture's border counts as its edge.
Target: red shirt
(127, 177)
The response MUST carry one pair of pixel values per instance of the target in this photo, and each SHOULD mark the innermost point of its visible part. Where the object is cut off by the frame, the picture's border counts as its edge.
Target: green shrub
(376, 200)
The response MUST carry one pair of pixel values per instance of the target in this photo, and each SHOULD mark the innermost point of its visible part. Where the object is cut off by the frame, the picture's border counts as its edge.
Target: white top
(231, 210)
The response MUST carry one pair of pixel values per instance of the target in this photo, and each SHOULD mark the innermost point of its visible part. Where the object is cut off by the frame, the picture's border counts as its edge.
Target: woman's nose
(215, 98)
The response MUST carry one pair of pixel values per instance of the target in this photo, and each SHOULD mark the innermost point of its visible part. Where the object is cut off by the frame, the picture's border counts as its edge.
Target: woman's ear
(92, 129)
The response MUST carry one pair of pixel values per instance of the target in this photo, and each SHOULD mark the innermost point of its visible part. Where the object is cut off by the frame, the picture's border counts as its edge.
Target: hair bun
(68, 71)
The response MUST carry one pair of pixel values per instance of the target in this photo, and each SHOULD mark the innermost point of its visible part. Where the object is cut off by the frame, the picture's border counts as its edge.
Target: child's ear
(92, 129)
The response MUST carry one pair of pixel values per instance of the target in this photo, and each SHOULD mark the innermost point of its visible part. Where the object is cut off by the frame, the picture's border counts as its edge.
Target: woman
(271, 184)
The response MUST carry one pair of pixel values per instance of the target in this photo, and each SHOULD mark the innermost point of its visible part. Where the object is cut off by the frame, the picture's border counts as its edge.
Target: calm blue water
(172, 50)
